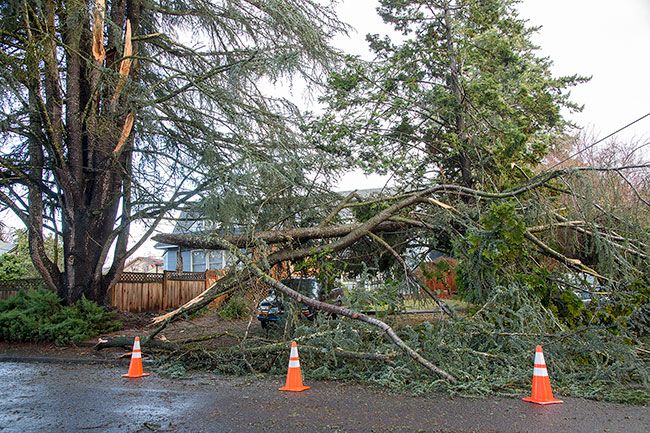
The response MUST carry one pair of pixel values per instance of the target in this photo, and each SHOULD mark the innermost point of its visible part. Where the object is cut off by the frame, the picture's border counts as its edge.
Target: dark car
(584, 286)
(271, 309)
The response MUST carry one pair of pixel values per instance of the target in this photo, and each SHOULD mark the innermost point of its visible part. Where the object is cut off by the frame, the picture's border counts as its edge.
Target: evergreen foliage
(237, 307)
(37, 315)
(490, 352)
(12, 266)
(18, 263)
(121, 111)
(464, 97)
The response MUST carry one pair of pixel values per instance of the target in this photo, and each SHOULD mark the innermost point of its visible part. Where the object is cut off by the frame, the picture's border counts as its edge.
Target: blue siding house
(193, 260)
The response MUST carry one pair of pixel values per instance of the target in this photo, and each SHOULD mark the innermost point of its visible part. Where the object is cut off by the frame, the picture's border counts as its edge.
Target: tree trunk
(90, 177)
(455, 74)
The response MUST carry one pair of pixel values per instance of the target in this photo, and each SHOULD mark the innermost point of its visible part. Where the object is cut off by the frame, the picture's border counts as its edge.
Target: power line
(600, 140)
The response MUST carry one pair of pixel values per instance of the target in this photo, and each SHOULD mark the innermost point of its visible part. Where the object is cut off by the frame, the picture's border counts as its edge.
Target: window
(215, 259)
(198, 261)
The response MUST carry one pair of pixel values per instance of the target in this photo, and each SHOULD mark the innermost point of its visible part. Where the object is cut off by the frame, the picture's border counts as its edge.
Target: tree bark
(297, 235)
(455, 74)
(90, 182)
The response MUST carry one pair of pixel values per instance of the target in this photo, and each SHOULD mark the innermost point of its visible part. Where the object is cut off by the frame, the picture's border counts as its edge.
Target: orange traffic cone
(135, 369)
(542, 393)
(294, 376)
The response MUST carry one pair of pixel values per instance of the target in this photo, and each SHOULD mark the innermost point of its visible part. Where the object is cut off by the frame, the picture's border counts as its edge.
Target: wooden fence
(137, 292)
(12, 287)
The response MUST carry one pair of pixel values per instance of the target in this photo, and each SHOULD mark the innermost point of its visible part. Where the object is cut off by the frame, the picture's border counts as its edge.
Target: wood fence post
(164, 291)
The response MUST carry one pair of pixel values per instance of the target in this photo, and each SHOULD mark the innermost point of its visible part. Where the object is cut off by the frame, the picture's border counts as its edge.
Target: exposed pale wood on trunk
(124, 135)
(99, 53)
(125, 65)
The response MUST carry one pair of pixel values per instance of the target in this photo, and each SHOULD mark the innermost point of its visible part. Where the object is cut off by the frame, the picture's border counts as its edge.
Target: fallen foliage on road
(490, 352)
(525, 255)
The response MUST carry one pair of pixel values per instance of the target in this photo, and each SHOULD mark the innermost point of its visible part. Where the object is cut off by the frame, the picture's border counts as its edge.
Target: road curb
(59, 360)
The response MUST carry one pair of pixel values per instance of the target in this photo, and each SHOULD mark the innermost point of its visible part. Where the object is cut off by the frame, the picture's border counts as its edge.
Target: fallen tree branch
(579, 227)
(298, 235)
(333, 309)
(349, 234)
(410, 275)
(126, 342)
(223, 286)
(571, 263)
(338, 208)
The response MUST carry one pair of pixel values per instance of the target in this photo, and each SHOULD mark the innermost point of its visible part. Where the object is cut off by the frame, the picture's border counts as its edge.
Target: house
(6, 247)
(149, 264)
(184, 259)
(177, 258)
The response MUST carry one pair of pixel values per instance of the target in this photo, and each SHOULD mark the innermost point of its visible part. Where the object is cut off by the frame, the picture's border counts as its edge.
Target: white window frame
(210, 260)
(205, 260)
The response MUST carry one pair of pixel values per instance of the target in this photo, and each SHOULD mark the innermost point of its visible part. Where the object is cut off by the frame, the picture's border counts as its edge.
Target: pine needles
(490, 353)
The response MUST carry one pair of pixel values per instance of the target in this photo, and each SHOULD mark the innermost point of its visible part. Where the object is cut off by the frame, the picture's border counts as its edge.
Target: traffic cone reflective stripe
(542, 393)
(135, 368)
(294, 360)
(294, 376)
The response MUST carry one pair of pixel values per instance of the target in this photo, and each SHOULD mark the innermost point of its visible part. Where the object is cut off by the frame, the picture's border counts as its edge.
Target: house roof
(150, 260)
(186, 223)
(368, 192)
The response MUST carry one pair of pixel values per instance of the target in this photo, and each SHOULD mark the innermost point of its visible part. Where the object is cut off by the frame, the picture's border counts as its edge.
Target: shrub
(37, 315)
(237, 307)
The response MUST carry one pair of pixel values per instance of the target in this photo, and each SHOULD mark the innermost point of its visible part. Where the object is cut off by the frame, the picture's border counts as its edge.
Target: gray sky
(607, 40)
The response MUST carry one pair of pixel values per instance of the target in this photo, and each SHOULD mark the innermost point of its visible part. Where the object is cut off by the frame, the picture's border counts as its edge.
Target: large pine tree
(115, 111)
(462, 96)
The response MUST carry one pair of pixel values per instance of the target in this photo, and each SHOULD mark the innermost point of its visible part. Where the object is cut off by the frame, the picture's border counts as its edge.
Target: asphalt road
(95, 398)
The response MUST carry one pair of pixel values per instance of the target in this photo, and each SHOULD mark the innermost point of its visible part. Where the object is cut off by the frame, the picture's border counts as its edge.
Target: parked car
(272, 309)
(584, 286)
(583, 295)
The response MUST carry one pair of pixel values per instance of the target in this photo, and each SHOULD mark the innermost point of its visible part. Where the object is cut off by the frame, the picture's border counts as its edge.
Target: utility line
(600, 140)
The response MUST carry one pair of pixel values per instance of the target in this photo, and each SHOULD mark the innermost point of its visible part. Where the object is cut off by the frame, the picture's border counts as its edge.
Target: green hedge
(38, 315)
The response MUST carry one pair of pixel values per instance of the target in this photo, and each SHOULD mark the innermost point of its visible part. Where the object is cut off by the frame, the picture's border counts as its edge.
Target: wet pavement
(95, 398)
